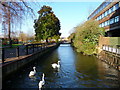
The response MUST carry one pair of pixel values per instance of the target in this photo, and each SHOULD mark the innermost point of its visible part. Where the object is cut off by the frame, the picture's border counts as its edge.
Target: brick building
(108, 16)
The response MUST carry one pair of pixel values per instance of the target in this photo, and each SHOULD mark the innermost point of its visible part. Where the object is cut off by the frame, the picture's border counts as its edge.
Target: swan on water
(32, 73)
(41, 83)
(54, 65)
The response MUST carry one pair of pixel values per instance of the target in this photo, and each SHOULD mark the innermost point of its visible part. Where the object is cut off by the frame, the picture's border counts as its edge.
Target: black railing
(23, 50)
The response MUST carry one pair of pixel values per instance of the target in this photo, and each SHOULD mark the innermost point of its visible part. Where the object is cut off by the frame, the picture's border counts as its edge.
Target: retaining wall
(9, 68)
(109, 52)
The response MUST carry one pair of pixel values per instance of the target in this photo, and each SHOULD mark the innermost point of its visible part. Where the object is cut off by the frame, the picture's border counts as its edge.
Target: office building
(108, 16)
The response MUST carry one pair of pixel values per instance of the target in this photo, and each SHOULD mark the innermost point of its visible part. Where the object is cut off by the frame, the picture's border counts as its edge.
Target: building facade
(108, 16)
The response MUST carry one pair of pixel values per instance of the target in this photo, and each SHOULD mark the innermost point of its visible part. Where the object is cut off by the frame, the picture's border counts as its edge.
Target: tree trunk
(9, 31)
(46, 40)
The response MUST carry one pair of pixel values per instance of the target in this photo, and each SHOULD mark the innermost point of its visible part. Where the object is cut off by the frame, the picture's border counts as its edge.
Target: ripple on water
(76, 71)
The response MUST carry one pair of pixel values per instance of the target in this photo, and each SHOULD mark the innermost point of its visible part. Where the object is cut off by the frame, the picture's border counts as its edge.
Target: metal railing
(112, 48)
(23, 50)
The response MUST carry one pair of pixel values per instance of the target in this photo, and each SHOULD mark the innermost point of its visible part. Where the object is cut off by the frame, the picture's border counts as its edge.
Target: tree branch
(5, 5)
(28, 7)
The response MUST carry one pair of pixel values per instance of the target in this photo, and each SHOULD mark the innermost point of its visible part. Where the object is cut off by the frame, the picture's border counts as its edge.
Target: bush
(86, 37)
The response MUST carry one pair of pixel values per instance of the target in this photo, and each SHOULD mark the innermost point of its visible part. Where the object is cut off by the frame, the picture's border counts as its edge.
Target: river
(76, 71)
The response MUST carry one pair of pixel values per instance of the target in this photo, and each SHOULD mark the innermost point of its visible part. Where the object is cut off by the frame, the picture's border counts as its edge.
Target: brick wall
(113, 41)
(103, 41)
(109, 41)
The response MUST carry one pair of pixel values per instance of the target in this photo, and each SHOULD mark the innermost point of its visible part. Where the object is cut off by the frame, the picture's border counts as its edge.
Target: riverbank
(109, 57)
(13, 64)
(76, 71)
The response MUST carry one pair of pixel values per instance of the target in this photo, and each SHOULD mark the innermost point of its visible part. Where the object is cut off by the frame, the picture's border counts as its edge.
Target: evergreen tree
(47, 25)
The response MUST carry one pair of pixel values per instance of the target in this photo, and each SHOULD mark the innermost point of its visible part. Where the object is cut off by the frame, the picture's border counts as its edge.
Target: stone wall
(112, 41)
(110, 58)
(9, 68)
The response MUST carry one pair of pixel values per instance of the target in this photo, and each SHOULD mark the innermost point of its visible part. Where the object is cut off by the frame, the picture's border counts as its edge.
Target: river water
(76, 71)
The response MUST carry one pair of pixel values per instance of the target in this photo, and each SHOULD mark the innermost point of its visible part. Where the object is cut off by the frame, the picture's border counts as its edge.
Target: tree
(22, 37)
(71, 37)
(12, 13)
(56, 37)
(86, 37)
(47, 25)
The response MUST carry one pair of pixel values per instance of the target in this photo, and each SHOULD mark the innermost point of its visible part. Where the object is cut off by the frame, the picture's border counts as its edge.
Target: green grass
(13, 45)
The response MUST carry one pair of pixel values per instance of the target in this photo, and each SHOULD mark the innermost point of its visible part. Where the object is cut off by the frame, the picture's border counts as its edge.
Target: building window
(116, 6)
(116, 19)
(119, 4)
(97, 18)
(110, 0)
(108, 22)
(99, 25)
(100, 17)
(111, 9)
(106, 13)
(102, 24)
(100, 8)
(112, 21)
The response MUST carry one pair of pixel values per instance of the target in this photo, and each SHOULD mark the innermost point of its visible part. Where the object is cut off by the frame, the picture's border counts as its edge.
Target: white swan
(32, 73)
(41, 83)
(54, 65)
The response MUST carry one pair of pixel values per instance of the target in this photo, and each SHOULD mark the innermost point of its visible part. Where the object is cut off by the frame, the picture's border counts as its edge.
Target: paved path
(10, 53)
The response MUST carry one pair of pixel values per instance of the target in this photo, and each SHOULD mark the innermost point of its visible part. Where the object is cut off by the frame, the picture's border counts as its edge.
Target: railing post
(115, 50)
(112, 49)
(45, 45)
(26, 49)
(41, 46)
(105, 47)
(108, 48)
(3, 54)
(17, 51)
(37, 47)
(33, 48)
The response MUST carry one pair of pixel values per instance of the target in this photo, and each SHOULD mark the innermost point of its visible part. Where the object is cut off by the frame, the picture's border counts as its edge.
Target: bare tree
(12, 14)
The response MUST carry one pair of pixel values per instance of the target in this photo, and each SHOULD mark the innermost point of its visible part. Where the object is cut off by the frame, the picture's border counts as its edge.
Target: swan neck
(58, 63)
(43, 78)
(34, 70)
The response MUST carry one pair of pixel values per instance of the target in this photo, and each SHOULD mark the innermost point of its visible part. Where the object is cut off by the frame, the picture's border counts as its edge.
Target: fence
(111, 55)
(23, 50)
(112, 48)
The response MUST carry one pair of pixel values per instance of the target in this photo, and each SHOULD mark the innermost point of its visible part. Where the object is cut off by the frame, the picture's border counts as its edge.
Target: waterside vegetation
(85, 37)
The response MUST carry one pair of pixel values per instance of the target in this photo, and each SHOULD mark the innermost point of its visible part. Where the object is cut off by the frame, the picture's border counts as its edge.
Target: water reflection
(76, 71)
(95, 73)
